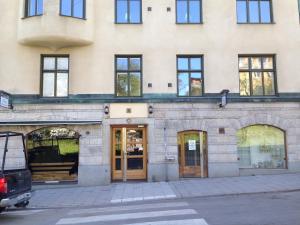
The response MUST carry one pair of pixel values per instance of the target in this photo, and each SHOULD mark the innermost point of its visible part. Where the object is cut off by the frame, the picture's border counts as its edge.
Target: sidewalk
(74, 195)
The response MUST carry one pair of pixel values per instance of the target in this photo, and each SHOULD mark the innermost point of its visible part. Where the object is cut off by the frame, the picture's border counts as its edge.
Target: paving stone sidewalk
(73, 195)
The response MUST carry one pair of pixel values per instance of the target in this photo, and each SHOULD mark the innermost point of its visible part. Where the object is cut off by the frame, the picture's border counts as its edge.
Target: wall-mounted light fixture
(224, 96)
(150, 109)
(106, 110)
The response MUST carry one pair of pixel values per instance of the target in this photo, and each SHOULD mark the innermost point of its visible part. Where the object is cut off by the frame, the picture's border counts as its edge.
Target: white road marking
(129, 207)
(142, 198)
(174, 222)
(22, 213)
(127, 216)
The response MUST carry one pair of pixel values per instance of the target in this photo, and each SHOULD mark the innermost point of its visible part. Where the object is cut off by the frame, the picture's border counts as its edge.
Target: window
(33, 8)
(128, 76)
(189, 11)
(55, 76)
(257, 75)
(261, 147)
(73, 8)
(190, 75)
(129, 11)
(254, 11)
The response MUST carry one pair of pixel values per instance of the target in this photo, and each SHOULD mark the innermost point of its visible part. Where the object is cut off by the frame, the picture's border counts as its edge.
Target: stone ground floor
(99, 143)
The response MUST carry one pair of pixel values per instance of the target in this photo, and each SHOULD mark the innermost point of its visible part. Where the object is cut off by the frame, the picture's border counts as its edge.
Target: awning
(46, 123)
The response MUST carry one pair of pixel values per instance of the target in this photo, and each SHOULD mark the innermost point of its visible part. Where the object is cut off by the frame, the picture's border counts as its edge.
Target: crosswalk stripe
(140, 215)
(174, 222)
(129, 207)
(22, 213)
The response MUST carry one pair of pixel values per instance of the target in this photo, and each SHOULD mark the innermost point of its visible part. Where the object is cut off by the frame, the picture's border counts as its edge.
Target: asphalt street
(252, 209)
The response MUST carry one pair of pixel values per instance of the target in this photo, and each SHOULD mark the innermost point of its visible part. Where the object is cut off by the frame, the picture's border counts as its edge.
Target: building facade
(110, 90)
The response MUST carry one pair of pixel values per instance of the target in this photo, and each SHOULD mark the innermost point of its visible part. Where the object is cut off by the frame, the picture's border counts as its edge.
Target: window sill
(272, 23)
(27, 17)
(128, 23)
(201, 23)
(79, 18)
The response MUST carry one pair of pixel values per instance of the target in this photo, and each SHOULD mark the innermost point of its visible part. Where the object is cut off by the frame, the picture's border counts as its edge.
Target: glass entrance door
(129, 153)
(192, 149)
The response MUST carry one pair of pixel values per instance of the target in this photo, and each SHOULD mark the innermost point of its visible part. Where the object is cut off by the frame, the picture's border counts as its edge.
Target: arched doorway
(53, 154)
(192, 154)
(261, 147)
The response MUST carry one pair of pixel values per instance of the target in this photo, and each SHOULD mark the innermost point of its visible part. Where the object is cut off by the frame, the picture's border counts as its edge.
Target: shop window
(33, 8)
(261, 147)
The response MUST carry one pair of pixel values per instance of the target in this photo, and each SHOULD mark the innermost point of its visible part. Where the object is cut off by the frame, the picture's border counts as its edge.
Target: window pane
(135, 11)
(122, 84)
(122, 11)
(62, 84)
(31, 7)
(256, 63)
(195, 11)
(182, 11)
(241, 8)
(269, 83)
(257, 83)
(268, 62)
(196, 84)
(244, 84)
(78, 8)
(261, 146)
(122, 64)
(39, 7)
(66, 8)
(253, 12)
(265, 12)
(183, 63)
(134, 64)
(49, 63)
(244, 63)
(183, 84)
(195, 63)
(135, 84)
(48, 84)
(62, 63)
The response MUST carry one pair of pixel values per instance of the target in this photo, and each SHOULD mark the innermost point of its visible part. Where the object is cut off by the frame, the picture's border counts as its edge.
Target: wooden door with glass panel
(192, 150)
(129, 153)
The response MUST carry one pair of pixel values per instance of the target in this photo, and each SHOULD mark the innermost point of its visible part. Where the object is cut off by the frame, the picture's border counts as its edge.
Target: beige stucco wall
(158, 39)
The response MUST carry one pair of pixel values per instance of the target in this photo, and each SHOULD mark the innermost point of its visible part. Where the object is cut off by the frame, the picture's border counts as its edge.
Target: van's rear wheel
(2, 209)
(22, 204)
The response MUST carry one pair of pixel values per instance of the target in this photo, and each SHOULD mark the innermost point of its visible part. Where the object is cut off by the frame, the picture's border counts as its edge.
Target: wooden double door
(129, 153)
(192, 154)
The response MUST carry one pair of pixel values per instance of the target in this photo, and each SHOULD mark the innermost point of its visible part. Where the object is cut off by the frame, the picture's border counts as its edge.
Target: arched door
(192, 154)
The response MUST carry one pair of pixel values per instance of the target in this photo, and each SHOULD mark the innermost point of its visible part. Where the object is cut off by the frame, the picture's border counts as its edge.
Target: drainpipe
(166, 153)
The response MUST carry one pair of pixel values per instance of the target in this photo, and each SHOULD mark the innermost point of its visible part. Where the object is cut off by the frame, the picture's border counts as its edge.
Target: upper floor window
(73, 8)
(254, 11)
(33, 8)
(190, 75)
(129, 11)
(189, 11)
(128, 76)
(257, 75)
(55, 76)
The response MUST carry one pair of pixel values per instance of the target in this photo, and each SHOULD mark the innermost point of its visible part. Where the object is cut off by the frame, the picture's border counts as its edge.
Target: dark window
(254, 11)
(73, 8)
(257, 75)
(189, 11)
(33, 8)
(128, 76)
(55, 76)
(128, 11)
(190, 75)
